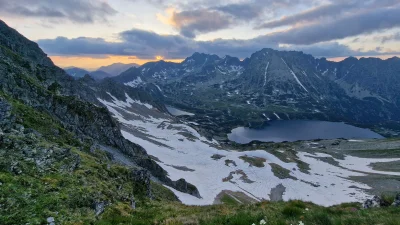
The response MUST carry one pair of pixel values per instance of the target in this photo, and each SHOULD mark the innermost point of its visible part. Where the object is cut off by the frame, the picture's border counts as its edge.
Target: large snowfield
(184, 153)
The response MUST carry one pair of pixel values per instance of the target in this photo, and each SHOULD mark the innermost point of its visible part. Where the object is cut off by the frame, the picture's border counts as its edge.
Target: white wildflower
(301, 223)
(262, 222)
(307, 209)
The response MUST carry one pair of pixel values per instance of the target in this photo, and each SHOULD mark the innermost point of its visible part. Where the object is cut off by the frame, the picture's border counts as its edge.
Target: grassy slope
(274, 213)
(69, 197)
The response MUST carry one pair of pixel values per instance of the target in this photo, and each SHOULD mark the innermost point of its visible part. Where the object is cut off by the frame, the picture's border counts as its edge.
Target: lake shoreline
(300, 130)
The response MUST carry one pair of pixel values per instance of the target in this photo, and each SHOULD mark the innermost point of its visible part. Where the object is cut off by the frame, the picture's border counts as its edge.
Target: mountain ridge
(34, 81)
(359, 91)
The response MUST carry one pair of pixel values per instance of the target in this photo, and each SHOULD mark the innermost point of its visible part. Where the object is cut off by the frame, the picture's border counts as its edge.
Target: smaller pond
(295, 130)
(177, 112)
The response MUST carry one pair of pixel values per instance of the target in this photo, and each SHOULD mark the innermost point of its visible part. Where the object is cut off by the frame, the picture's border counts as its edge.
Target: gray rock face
(51, 221)
(396, 202)
(19, 148)
(142, 181)
(11, 39)
(5, 114)
(183, 186)
(375, 202)
(100, 207)
(133, 203)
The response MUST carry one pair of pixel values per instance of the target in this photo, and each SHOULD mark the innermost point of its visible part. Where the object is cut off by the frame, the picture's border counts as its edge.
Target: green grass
(32, 194)
(274, 213)
(254, 161)
(42, 122)
(281, 172)
(226, 199)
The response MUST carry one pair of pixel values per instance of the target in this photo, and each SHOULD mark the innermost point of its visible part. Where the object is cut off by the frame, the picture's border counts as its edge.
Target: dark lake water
(178, 112)
(295, 130)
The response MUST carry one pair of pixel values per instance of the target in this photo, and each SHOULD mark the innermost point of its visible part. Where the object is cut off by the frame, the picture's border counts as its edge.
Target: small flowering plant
(262, 222)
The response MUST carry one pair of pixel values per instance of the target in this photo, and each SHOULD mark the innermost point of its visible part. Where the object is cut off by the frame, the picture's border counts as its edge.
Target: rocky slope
(62, 110)
(277, 85)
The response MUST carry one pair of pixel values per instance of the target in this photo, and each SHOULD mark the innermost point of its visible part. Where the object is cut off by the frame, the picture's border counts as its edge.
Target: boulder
(100, 207)
(185, 187)
(141, 179)
(133, 203)
(396, 202)
(51, 221)
(374, 202)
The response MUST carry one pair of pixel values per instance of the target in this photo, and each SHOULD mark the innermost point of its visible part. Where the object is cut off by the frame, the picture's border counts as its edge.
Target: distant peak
(351, 58)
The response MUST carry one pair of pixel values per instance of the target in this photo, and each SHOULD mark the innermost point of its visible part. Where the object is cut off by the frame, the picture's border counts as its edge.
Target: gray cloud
(193, 22)
(393, 37)
(147, 45)
(79, 11)
(334, 10)
(139, 43)
(204, 16)
(352, 25)
(311, 15)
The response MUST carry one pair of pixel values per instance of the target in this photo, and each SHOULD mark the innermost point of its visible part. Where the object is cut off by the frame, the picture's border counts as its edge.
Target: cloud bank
(77, 11)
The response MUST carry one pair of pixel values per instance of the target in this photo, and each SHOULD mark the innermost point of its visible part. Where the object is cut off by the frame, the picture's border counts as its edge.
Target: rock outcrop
(185, 187)
(396, 201)
(374, 202)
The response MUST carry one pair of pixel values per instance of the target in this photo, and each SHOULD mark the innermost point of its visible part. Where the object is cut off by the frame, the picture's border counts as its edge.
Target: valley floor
(324, 172)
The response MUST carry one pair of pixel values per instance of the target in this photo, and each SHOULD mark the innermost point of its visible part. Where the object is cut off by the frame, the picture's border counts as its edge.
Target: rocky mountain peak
(17, 43)
(200, 59)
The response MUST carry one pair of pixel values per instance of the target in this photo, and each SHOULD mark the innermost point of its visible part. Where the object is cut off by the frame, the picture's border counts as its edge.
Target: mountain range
(272, 85)
(101, 73)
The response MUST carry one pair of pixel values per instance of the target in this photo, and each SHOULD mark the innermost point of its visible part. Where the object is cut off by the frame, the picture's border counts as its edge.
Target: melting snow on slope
(266, 117)
(128, 103)
(295, 77)
(325, 184)
(277, 116)
(265, 74)
(135, 83)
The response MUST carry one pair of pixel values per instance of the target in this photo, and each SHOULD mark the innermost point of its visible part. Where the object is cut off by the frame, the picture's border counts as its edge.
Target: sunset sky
(92, 33)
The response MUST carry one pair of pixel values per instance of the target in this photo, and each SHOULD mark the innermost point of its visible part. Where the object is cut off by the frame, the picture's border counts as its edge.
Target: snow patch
(325, 184)
(266, 117)
(265, 74)
(135, 83)
(295, 77)
(277, 116)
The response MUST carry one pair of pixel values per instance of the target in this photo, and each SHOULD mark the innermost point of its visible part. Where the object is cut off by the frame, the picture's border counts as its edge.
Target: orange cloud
(167, 17)
(91, 63)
